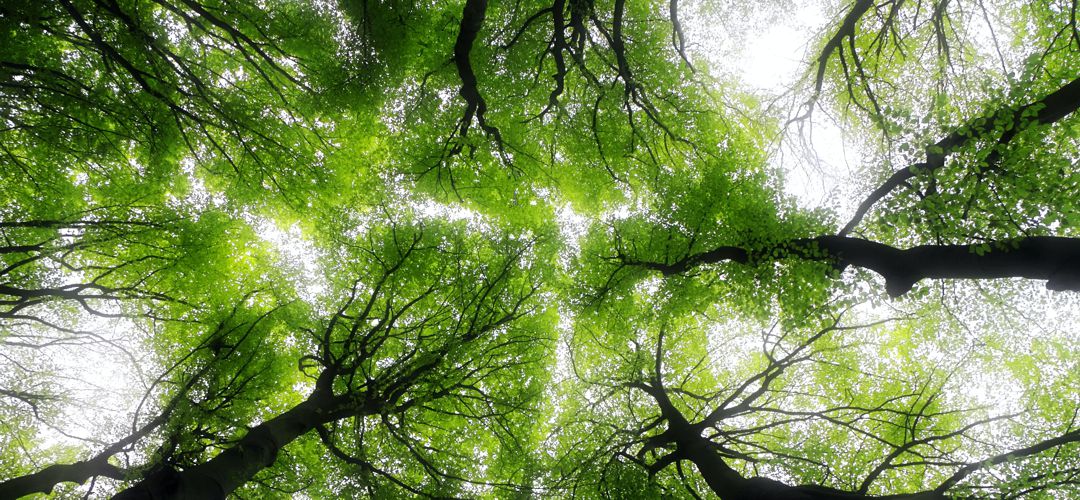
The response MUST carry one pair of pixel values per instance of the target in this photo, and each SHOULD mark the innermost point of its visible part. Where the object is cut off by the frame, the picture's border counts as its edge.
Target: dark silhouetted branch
(1054, 259)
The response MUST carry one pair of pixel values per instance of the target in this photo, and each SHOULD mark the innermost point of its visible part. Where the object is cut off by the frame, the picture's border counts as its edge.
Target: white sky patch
(732, 341)
(773, 58)
(297, 253)
(572, 227)
(97, 370)
(434, 209)
(767, 54)
(302, 257)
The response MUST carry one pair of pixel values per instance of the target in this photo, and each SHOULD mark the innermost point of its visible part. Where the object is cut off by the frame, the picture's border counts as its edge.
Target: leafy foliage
(532, 249)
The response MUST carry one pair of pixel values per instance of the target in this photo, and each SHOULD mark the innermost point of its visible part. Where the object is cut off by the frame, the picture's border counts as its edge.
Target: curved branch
(728, 484)
(257, 450)
(846, 30)
(678, 38)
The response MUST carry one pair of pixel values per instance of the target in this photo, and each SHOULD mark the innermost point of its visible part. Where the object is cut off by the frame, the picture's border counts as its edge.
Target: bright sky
(766, 48)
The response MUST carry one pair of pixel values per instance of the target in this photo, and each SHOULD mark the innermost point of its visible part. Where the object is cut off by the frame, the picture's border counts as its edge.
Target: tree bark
(44, 480)
(257, 450)
(730, 485)
(1050, 258)
(472, 20)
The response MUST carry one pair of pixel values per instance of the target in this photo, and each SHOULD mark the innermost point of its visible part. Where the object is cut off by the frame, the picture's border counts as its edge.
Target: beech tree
(503, 249)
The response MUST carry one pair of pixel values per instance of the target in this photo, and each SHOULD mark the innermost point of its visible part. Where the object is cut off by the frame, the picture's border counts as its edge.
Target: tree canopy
(379, 248)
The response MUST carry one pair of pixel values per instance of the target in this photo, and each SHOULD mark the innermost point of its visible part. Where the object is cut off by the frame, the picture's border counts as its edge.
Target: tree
(425, 338)
(498, 249)
(221, 388)
(793, 402)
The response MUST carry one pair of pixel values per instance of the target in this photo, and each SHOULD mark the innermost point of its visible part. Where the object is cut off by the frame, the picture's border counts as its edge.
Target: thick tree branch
(835, 43)
(1050, 258)
(257, 450)
(472, 20)
(44, 480)
(558, 45)
(728, 484)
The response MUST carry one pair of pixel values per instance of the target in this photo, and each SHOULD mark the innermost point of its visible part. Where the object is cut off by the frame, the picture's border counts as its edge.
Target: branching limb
(967, 470)
(472, 20)
(1049, 109)
(678, 38)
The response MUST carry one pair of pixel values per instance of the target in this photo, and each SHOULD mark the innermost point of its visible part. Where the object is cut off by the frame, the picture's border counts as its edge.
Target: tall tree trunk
(237, 465)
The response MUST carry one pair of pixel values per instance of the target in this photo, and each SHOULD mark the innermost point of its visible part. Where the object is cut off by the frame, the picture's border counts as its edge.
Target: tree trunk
(237, 465)
(730, 485)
